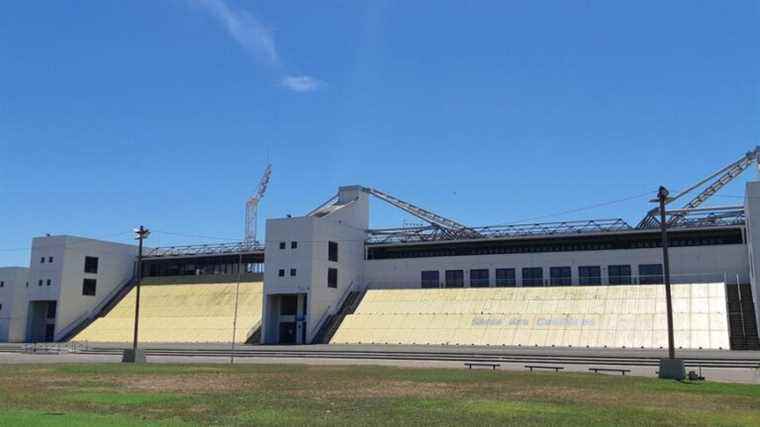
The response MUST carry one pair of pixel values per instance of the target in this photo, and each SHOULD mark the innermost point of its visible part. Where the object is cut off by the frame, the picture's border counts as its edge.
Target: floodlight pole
(670, 368)
(141, 234)
(662, 196)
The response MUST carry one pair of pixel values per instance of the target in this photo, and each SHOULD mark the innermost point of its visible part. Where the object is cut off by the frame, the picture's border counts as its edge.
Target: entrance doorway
(286, 319)
(287, 332)
(41, 321)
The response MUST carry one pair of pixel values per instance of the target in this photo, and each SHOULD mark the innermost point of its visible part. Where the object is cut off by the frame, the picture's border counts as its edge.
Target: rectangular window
(590, 275)
(50, 259)
(42, 260)
(479, 278)
(281, 272)
(532, 276)
(455, 278)
(431, 279)
(88, 287)
(282, 245)
(332, 277)
(560, 276)
(48, 282)
(505, 277)
(619, 274)
(292, 272)
(650, 274)
(91, 264)
(293, 245)
(332, 251)
(39, 282)
(2, 284)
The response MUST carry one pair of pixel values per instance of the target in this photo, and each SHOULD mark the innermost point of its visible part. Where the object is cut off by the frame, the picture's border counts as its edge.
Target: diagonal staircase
(331, 325)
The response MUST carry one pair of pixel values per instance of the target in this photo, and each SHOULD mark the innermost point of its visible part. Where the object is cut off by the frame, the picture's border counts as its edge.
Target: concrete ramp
(181, 313)
(594, 316)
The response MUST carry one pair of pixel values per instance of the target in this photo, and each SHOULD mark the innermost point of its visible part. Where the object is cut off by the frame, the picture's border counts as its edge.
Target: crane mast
(714, 183)
(252, 206)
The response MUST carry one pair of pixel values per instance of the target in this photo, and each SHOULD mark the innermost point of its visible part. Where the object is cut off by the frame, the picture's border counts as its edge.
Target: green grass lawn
(176, 395)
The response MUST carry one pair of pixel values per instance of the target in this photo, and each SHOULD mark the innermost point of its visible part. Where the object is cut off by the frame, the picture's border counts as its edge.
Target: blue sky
(164, 112)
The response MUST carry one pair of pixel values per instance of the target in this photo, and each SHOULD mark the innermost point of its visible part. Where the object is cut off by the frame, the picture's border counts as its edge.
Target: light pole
(671, 367)
(136, 355)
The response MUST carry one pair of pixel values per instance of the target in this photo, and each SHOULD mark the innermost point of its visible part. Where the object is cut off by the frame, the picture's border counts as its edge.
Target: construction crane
(717, 180)
(252, 206)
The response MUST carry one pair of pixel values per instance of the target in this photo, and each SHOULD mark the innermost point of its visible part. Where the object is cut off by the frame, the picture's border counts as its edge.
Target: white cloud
(301, 83)
(257, 39)
(249, 32)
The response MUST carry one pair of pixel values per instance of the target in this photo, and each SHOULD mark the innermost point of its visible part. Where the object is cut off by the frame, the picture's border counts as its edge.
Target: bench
(471, 364)
(597, 370)
(532, 367)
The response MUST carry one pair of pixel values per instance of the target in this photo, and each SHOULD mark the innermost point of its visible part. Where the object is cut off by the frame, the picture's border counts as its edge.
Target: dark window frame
(561, 275)
(590, 275)
(619, 274)
(480, 278)
(505, 277)
(332, 251)
(91, 264)
(529, 279)
(650, 274)
(454, 279)
(332, 277)
(89, 287)
(433, 279)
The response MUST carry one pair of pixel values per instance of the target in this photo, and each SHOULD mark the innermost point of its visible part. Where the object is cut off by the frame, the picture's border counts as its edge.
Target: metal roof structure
(232, 248)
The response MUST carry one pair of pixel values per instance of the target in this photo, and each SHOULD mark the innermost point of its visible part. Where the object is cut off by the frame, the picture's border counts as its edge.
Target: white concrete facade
(13, 282)
(347, 223)
(752, 212)
(345, 226)
(695, 264)
(55, 283)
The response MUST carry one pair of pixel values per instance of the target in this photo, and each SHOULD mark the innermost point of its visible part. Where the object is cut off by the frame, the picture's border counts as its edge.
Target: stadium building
(327, 277)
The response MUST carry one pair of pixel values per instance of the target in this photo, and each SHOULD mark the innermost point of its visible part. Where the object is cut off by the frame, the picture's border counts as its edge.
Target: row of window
(534, 276)
(281, 272)
(90, 263)
(293, 245)
(567, 244)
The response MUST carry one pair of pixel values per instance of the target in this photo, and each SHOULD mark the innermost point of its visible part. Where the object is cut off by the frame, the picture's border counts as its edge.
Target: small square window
(281, 272)
(282, 245)
(42, 260)
(91, 264)
(89, 286)
(293, 245)
(50, 259)
(292, 272)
